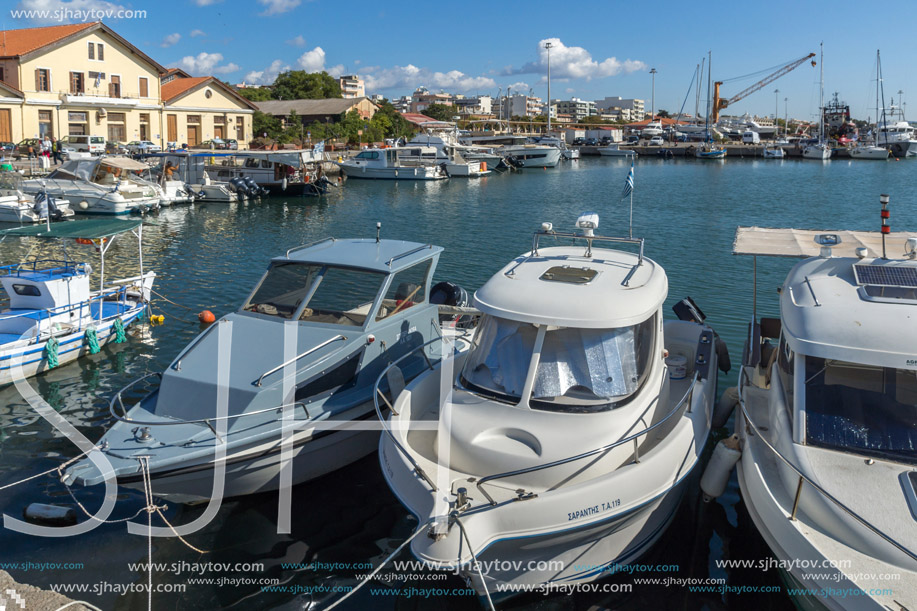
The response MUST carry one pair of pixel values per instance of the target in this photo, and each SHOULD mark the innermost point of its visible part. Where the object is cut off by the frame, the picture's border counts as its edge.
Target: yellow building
(84, 78)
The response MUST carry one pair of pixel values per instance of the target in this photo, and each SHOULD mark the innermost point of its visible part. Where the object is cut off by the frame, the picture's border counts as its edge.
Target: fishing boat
(826, 428)
(18, 207)
(54, 316)
(279, 173)
(819, 149)
(292, 370)
(100, 185)
(186, 173)
(565, 438)
(396, 163)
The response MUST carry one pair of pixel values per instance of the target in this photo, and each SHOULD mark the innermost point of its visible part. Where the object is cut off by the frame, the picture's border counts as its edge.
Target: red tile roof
(177, 87)
(14, 43)
(416, 118)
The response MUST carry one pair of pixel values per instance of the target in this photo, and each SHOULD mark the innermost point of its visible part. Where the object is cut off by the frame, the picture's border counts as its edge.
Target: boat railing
(377, 393)
(408, 253)
(634, 438)
(753, 430)
(310, 244)
(209, 421)
(336, 338)
(56, 266)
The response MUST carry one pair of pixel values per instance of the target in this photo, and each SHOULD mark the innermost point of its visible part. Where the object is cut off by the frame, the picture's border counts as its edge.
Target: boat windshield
(579, 370)
(336, 295)
(862, 409)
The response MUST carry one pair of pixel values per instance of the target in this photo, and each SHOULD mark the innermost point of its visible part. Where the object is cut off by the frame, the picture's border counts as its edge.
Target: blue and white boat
(53, 316)
(567, 439)
(286, 379)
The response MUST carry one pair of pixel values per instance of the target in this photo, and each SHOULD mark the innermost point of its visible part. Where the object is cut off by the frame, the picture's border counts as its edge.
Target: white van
(751, 137)
(88, 144)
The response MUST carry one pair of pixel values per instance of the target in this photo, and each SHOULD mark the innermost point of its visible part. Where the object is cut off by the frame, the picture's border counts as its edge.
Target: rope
(50, 352)
(58, 468)
(120, 335)
(148, 494)
(477, 564)
(79, 602)
(379, 568)
(164, 298)
(91, 338)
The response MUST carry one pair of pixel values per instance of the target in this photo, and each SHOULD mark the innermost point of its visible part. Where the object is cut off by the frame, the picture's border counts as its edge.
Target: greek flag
(628, 183)
(319, 148)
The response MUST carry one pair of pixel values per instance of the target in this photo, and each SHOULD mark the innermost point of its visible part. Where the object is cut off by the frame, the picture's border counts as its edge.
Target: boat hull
(416, 173)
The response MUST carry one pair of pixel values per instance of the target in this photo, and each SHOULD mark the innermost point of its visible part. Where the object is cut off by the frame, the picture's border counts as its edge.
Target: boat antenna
(886, 228)
(378, 231)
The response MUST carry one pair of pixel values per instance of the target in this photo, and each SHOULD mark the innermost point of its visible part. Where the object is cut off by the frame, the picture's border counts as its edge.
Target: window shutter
(37, 81)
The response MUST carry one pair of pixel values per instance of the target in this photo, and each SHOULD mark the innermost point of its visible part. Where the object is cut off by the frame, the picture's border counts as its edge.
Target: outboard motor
(513, 161)
(688, 310)
(252, 188)
(237, 185)
(53, 210)
(190, 191)
(450, 294)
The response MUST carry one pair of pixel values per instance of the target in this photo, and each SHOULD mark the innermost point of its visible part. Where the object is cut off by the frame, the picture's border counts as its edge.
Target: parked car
(140, 147)
(7, 148)
(656, 141)
(115, 148)
(633, 139)
(592, 142)
(579, 141)
(232, 144)
(94, 145)
(606, 140)
(216, 144)
(22, 149)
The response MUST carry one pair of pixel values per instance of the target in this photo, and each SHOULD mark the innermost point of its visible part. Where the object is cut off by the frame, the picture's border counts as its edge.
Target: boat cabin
(40, 295)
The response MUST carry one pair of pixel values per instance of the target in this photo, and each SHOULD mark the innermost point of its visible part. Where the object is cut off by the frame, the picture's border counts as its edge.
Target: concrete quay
(733, 150)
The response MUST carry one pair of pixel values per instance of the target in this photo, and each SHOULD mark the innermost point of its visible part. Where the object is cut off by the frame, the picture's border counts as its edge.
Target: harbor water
(209, 256)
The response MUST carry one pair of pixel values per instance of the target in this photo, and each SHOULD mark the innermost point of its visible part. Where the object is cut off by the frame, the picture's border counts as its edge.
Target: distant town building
(480, 105)
(577, 108)
(629, 109)
(422, 99)
(402, 104)
(352, 86)
(519, 106)
(324, 111)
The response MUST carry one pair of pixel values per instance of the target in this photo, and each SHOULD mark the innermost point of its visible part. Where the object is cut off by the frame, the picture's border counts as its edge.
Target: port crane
(719, 103)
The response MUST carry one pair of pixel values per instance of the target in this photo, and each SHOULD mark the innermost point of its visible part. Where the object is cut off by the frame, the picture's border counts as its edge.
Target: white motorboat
(773, 152)
(615, 150)
(827, 418)
(99, 185)
(867, 151)
(252, 174)
(444, 136)
(820, 149)
(530, 155)
(566, 152)
(899, 137)
(18, 207)
(298, 364)
(54, 316)
(396, 163)
(560, 444)
(653, 128)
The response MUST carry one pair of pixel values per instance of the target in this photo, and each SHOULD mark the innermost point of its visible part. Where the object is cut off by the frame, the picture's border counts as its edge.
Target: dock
(733, 150)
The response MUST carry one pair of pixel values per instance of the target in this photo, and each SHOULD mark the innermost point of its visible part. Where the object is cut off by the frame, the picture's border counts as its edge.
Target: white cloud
(170, 40)
(412, 76)
(569, 90)
(205, 64)
(575, 62)
(266, 76)
(195, 33)
(312, 61)
(206, 2)
(277, 7)
(519, 86)
(70, 10)
(299, 41)
(336, 71)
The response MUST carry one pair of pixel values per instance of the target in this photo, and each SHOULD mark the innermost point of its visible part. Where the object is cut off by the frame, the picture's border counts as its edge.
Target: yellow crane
(719, 103)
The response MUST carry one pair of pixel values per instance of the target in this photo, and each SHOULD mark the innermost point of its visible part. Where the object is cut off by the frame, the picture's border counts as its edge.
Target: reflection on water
(210, 256)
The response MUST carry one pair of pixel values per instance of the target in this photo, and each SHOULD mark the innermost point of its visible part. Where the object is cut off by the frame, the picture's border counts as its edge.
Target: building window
(144, 87)
(43, 79)
(194, 118)
(145, 126)
(240, 128)
(77, 123)
(114, 85)
(45, 127)
(76, 83)
(116, 129)
(92, 51)
(101, 49)
(1, 74)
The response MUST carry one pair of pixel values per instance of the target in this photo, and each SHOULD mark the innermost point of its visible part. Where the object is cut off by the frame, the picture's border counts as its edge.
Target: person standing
(55, 150)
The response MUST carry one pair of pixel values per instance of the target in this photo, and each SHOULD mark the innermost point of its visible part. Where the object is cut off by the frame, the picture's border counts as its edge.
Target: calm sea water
(209, 257)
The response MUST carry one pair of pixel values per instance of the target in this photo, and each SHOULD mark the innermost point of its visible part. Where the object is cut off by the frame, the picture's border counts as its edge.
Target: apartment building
(477, 106)
(519, 106)
(629, 109)
(352, 86)
(422, 99)
(84, 78)
(579, 109)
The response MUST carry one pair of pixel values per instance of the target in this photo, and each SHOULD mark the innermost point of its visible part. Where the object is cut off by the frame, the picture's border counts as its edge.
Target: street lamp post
(653, 103)
(548, 46)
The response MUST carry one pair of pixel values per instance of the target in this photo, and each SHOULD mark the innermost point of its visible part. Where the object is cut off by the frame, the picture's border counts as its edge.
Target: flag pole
(630, 228)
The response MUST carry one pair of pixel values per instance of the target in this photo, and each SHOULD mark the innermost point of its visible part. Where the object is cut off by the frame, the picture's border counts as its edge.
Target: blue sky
(601, 48)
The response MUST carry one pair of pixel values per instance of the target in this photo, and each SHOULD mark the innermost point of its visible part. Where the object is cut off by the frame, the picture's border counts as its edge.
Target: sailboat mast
(709, 71)
(821, 96)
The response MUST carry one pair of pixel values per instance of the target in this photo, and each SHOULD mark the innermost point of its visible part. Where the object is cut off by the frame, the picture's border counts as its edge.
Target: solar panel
(886, 275)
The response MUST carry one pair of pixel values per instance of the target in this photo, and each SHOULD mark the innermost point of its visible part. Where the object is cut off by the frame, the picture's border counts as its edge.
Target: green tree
(663, 114)
(301, 85)
(440, 112)
(263, 123)
(398, 126)
(255, 94)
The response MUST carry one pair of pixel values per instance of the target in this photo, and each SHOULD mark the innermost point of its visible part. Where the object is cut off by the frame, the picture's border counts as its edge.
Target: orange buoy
(206, 317)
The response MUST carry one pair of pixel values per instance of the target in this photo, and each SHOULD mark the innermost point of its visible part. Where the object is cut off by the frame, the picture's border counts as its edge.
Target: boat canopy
(124, 163)
(386, 256)
(92, 229)
(800, 243)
